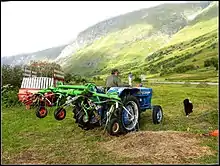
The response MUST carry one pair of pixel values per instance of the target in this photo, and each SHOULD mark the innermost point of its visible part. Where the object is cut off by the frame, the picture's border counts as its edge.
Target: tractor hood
(140, 90)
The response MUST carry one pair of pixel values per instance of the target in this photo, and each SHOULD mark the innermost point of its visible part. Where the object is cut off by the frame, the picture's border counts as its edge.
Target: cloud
(35, 25)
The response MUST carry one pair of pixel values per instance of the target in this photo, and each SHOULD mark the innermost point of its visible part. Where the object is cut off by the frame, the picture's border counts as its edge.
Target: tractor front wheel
(41, 112)
(113, 127)
(59, 113)
(157, 114)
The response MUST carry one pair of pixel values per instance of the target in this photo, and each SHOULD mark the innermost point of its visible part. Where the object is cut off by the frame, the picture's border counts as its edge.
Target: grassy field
(201, 75)
(29, 140)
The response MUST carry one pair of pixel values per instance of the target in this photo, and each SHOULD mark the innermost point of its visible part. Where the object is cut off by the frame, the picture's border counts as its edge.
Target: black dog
(188, 107)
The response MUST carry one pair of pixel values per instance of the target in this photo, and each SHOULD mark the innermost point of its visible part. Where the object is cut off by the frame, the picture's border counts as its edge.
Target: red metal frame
(25, 94)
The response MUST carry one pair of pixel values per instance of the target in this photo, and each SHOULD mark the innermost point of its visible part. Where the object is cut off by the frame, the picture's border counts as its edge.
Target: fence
(37, 82)
(30, 79)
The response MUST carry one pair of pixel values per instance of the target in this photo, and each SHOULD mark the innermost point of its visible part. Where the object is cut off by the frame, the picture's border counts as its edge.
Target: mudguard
(143, 95)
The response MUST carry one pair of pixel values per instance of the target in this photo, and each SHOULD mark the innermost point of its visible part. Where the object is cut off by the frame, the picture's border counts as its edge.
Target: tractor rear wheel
(130, 117)
(157, 114)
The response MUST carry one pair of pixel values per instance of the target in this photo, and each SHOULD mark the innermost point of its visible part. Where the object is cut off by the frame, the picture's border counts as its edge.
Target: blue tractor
(136, 100)
(118, 109)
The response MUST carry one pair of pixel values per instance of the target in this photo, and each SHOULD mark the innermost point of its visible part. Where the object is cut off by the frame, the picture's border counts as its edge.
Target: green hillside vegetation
(117, 49)
(194, 52)
(146, 49)
(196, 30)
(168, 18)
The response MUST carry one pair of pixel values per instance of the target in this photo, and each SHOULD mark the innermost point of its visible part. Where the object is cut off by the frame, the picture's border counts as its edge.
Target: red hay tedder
(31, 84)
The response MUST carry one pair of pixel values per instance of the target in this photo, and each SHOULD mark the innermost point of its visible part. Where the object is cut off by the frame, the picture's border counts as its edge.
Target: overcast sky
(36, 25)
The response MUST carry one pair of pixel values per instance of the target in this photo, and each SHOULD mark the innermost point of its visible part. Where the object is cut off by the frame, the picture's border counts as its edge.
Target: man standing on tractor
(113, 80)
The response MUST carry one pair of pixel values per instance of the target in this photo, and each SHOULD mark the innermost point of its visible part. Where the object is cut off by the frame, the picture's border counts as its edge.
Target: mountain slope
(155, 30)
(207, 13)
(160, 17)
(166, 18)
(191, 46)
(48, 55)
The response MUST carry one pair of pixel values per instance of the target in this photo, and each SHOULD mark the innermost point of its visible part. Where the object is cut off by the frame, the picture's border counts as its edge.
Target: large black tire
(114, 127)
(41, 112)
(59, 113)
(157, 114)
(127, 101)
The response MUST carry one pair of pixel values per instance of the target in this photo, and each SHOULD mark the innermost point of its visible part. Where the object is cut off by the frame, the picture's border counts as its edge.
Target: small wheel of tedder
(114, 128)
(59, 113)
(41, 112)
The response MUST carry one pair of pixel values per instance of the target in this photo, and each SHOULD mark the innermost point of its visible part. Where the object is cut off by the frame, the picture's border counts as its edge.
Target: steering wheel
(91, 86)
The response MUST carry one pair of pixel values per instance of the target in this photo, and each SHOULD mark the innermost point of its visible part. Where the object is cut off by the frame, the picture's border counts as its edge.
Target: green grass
(27, 139)
(192, 52)
(117, 49)
(171, 97)
(200, 75)
(193, 31)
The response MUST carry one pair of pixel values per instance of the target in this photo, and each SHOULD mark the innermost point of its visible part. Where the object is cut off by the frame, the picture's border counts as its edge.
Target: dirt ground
(143, 147)
(158, 147)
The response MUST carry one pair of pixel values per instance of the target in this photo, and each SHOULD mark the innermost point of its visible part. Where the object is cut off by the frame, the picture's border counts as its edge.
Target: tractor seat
(100, 89)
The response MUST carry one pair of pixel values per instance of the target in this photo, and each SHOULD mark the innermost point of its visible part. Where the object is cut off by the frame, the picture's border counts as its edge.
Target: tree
(98, 78)
(44, 69)
(211, 62)
(12, 75)
(68, 77)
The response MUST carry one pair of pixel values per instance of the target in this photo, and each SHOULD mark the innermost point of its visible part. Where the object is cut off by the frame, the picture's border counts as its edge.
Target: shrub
(98, 78)
(68, 77)
(137, 79)
(202, 85)
(12, 75)
(186, 84)
(182, 69)
(211, 62)
(165, 72)
(207, 63)
(10, 96)
(216, 67)
(153, 71)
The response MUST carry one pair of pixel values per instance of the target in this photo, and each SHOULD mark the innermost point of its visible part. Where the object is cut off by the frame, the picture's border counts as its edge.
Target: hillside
(193, 45)
(154, 16)
(174, 20)
(149, 33)
(48, 54)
